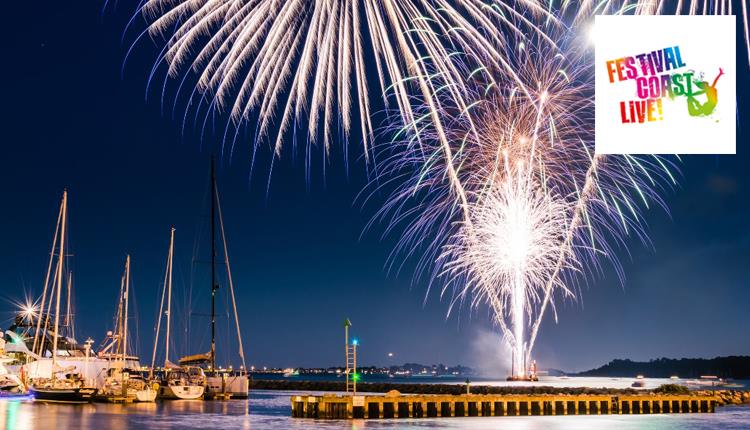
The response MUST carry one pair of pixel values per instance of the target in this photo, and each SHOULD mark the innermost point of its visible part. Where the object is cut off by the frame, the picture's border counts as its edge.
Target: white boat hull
(182, 392)
(147, 395)
(92, 370)
(238, 386)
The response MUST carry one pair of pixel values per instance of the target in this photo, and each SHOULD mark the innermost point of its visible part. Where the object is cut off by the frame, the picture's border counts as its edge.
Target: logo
(665, 84)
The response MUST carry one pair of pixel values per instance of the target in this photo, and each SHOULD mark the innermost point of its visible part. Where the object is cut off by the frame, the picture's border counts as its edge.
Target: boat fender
(155, 386)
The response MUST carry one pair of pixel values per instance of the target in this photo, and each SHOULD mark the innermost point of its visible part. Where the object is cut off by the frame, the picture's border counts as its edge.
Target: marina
(42, 358)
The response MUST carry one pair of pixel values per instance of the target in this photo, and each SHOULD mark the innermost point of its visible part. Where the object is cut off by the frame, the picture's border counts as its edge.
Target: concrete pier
(396, 405)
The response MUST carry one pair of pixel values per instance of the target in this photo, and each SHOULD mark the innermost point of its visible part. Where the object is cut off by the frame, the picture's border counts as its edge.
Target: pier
(396, 405)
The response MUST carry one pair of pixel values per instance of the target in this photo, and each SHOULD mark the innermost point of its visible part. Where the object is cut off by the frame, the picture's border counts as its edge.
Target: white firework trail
(511, 248)
(284, 61)
(543, 210)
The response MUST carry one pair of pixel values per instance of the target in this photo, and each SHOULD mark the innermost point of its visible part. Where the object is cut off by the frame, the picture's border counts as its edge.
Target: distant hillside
(735, 367)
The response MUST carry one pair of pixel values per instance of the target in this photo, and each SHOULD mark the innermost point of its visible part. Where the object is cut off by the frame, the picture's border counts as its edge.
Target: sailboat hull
(145, 395)
(182, 392)
(63, 395)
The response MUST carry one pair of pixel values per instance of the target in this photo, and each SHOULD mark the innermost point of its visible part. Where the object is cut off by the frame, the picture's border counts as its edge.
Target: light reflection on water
(271, 410)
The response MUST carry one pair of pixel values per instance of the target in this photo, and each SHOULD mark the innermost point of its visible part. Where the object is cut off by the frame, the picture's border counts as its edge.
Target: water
(271, 410)
(546, 381)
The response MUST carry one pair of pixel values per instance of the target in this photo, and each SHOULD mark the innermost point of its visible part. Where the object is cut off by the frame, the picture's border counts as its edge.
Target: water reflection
(270, 411)
(12, 416)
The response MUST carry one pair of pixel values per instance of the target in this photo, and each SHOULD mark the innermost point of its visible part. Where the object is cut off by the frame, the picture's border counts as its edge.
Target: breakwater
(383, 387)
(396, 405)
(450, 400)
(729, 397)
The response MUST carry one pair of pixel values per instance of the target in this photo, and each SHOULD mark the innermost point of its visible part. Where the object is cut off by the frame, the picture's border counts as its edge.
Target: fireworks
(511, 247)
(289, 58)
(541, 209)
(504, 201)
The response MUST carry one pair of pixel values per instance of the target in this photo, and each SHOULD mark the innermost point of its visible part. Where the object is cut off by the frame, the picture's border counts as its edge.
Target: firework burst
(542, 210)
(289, 58)
(332, 64)
(510, 248)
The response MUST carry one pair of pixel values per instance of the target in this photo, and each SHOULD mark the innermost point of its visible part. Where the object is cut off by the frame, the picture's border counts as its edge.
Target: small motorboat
(639, 382)
(9, 383)
(707, 381)
(288, 373)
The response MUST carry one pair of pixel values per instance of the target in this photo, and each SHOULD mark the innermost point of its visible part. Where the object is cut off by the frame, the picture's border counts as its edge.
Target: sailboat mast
(169, 295)
(61, 258)
(118, 328)
(213, 265)
(161, 310)
(125, 318)
(47, 285)
(229, 278)
(69, 311)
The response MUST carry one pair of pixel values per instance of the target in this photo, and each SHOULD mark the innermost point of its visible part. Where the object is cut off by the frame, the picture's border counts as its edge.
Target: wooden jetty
(397, 405)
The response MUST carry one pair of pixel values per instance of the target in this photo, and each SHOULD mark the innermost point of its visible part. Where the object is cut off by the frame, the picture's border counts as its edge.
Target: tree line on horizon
(734, 367)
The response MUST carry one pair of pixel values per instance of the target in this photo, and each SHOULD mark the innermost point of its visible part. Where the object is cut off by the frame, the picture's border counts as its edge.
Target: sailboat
(177, 382)
(220, 383)
(30, 337)
(61, 384)
(120, 384)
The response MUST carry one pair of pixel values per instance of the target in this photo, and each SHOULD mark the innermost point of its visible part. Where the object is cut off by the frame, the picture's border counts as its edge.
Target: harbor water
(271, 410)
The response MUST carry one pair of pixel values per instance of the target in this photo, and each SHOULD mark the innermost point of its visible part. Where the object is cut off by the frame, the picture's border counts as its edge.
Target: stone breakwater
(729, 397)
(384, 387)
(724, 397)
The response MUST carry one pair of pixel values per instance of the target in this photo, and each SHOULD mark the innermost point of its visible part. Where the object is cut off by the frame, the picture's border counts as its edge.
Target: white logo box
(704, 44)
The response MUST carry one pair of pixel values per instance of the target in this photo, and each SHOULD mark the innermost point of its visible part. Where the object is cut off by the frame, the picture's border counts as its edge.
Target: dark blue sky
(70, 120)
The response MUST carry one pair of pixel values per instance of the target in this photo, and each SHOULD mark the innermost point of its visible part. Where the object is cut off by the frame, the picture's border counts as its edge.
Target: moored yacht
(221, 382)
(183, 383)
(60, 384)
(120, 385)
(123, 386)
(175, 382)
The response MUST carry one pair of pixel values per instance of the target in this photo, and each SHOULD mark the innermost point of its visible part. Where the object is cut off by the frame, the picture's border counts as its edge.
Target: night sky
(301, 264)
